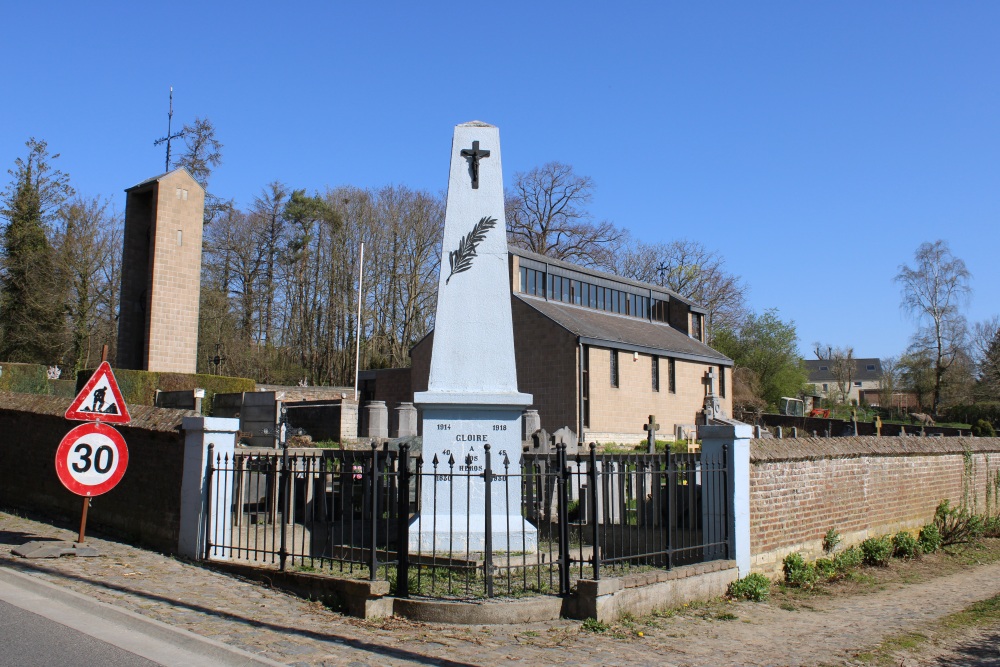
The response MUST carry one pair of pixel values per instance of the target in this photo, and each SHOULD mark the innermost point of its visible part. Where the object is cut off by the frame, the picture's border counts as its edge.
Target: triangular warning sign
(100, 399)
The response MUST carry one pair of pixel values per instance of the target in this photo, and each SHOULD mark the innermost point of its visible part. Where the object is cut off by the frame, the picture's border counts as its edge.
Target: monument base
(444, 534)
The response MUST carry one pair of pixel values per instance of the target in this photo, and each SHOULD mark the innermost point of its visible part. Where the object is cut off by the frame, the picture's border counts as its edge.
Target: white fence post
(736, 438)
(199, 433)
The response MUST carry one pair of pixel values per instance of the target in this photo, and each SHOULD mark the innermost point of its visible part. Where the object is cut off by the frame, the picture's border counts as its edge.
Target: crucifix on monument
(474, 155)
(650, 429)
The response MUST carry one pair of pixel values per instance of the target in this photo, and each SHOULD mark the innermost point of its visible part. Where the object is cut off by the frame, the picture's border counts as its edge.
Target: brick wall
(860, 486)
(617, 414)
(546, 355)
(144, 507)
(176, 280)
(161, 275)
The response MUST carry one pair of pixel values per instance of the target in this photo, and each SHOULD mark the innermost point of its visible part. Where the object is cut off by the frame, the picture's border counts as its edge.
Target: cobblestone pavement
(298, 632)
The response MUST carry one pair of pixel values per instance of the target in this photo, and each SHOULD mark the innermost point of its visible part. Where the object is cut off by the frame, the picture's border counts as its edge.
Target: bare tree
(986, 337)
(843, 367)
(88, 250)
(688, 269)
(933, 290)
(888, 382)
(547, 213)
(269, 205)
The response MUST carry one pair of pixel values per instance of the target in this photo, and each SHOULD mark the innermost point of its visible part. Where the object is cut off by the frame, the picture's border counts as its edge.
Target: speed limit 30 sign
(91, 459)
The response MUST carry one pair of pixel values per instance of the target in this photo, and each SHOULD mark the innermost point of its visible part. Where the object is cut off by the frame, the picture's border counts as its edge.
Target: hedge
(24, 378)
(140, 387)
(970, 414)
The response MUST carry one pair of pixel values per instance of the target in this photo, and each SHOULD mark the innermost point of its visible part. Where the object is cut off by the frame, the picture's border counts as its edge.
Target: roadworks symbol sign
(100, 400)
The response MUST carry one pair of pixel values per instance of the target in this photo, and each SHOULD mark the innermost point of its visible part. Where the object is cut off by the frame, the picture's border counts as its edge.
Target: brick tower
(161, 274)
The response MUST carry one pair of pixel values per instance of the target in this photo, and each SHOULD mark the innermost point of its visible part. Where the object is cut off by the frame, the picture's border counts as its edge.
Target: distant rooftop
(821, 370)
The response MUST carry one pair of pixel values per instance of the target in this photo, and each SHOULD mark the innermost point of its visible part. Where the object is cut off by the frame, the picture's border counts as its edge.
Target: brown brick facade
(161, 275)
(862, 487)
(618, 413)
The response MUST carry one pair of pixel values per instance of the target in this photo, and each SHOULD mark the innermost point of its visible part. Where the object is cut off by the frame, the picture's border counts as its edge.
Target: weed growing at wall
(847, 560)
(929, 539)
(876, 551)
(798, 572)
(905, 545)
(754, 587)
(956, 524)
(831, 540)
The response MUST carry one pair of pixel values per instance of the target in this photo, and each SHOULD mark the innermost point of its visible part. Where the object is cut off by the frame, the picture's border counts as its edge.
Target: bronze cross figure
(474, 155)
(650, 428)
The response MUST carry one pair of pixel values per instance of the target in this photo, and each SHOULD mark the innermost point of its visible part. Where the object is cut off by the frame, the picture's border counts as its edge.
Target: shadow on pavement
(17, 538)
(398, 653)
(981, 654)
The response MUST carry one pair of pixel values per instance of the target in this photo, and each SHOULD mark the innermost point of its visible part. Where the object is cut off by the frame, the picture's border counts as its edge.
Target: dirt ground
(879, 616)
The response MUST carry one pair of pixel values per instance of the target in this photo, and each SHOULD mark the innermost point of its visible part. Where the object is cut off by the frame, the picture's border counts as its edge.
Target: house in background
(863, 379)
(599, 354)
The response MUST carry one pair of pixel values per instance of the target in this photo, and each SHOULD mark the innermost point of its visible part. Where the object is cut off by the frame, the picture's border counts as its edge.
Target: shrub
(831, 540)
(23, 378)
(991, 526)
(983, 429)
(754, 587)
(971, 414)
(956, 525)
(848, 559)
(798, 572)
(905, 545)
(825, 568)
(929, 539)
(876, 551)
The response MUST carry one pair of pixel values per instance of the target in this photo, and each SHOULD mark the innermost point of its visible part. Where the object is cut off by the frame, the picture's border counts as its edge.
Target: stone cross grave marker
(713, 407)
(472, 404)
(651, 428)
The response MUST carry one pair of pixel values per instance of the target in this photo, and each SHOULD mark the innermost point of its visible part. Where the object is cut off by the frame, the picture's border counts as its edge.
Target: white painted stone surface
(199, 433)
(472, 388)
(736, 439)
(472, 360)
(453, 513)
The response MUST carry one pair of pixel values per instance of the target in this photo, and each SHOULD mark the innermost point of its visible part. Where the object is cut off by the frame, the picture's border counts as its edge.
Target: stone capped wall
(860, 486)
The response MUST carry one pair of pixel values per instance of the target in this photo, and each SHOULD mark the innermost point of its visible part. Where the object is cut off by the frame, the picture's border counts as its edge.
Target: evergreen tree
(989, 378)
(32, 324)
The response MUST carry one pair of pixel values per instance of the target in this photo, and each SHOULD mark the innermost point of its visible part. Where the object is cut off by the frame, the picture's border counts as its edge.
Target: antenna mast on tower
(166, 139)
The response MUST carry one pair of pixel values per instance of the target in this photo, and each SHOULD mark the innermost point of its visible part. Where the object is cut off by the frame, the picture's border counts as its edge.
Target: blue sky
(814, 145)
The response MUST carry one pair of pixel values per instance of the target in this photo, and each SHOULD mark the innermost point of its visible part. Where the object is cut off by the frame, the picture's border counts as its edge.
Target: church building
(599, 353)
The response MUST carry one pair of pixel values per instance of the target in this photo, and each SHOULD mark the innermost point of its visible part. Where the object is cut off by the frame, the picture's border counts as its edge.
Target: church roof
(160, 177)
(631, 334)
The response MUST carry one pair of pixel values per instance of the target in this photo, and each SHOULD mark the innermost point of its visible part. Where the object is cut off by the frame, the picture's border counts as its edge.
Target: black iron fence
(528, 528)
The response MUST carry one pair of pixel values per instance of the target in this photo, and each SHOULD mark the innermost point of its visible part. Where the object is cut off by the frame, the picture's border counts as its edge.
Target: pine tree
(32, 324)
(989, 378)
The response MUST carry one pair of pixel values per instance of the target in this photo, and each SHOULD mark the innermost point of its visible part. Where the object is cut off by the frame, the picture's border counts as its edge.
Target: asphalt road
(30, 640)
(43, 624)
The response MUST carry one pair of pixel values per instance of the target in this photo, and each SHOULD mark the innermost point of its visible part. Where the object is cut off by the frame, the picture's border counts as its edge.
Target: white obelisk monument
(472, 399)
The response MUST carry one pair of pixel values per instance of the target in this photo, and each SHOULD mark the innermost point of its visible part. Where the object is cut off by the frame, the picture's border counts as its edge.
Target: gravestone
(713, 406)
(378, 420)
(650, 427)
(472, 401)
(406, 420)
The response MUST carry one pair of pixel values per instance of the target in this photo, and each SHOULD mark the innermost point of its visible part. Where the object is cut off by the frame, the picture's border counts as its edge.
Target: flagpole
(357, 345)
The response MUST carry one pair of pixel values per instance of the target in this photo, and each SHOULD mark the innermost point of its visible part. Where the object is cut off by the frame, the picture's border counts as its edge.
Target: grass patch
(985, 612)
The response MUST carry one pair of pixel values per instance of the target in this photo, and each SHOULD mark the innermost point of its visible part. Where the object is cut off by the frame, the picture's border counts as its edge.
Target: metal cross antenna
(170, 118)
